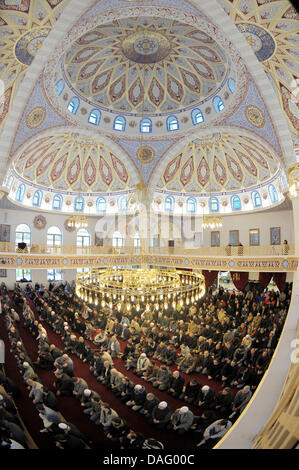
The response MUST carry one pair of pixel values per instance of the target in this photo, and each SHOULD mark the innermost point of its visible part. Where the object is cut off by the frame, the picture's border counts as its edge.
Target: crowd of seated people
(226, 337)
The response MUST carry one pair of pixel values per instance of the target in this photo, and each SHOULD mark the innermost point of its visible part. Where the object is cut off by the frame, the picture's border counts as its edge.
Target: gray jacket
(182, 420)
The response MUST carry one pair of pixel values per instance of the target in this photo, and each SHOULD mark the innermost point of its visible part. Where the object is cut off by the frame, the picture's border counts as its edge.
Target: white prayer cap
(65, 323)
(1, 397)
(184, 409)
(205, 388)
(63, 426)
(25, 364)
(142, 355)
(19, 343)
(87, 392)
(138, 387)
(162, 404)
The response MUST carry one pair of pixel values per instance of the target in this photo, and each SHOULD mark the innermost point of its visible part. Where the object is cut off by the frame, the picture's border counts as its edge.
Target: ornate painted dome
(71, 162)
(146, 64)
(218, 162)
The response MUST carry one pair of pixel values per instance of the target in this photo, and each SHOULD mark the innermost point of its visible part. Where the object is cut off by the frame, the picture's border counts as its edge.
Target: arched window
(23, 234)
(236, 203)
(273, 193)
(146, 125)
(20, 193)
(9, 182)
(83, 238)
(256, 199)
(218, 103)
(231, 84)
(191, 204)
(118, 240)
(73, 105)
(169, 204)
(214, 204)
(119, 123)
(136, 240)
(122, 203)
(37, 198)
(57, 202)
(172, 123)
(54, 237)
(59, 86)
(101, 204)
(94, 117)
(197, 116)
(79, 204)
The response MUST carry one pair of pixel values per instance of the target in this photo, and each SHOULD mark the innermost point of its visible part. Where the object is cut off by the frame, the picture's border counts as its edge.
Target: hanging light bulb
(137, 307)
(147, 307)
(103, 303)
(166, 306)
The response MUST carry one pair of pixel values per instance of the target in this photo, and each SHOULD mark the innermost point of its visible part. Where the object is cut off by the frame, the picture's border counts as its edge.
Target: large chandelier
(211, 222)
(143, 288)
(77, 221)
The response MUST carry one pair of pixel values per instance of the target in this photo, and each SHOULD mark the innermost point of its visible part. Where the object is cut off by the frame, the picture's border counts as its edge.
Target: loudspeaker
(22, 245)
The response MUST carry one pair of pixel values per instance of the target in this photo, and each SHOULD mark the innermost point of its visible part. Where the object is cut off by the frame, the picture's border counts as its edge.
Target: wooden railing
(282, 429)
(223, 251)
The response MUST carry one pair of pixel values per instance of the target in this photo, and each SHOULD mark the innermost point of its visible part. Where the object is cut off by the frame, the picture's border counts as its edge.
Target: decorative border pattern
(263, 264)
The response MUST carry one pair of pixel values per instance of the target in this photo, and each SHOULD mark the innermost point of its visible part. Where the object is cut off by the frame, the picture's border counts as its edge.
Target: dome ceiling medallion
(146, 65)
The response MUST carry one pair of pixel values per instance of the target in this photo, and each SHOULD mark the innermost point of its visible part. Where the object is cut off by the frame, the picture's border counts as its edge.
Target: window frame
(55, 198)
(74, 104)
(172, 204)
(214, 199)
(21, 277)
(59, 89)
(121, 123)
(97, 113)
(40, 194)
(170, 122)
(149, 126)
(20, 193)
(194, 205)
(217, 102)
(101, 199)
(233, 200)
(254, 195)
(78, 200)
(195, 112)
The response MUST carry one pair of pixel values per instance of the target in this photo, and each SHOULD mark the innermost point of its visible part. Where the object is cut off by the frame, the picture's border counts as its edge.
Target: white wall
(262, 220)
